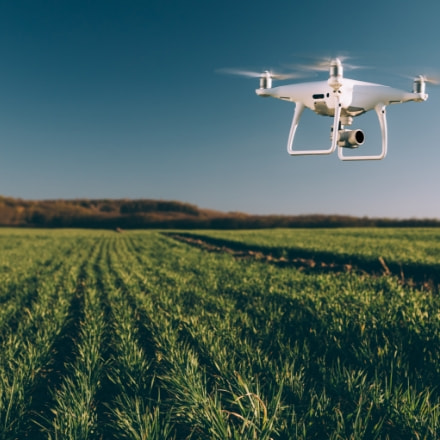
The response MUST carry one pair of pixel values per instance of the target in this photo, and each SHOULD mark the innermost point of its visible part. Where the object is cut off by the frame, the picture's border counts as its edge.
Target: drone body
(343, 99)
(355, 98)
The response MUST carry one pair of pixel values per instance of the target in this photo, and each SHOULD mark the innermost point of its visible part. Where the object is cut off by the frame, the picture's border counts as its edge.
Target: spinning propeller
(266, 76)
(271, 73)
(322, 64)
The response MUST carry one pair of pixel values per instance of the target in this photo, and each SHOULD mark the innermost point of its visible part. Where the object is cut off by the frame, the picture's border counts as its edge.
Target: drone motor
(266, 80)
(336, 74)
(419, 84)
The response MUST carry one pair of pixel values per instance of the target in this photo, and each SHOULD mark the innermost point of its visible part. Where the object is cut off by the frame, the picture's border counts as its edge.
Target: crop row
(34, 313)
(139, 336)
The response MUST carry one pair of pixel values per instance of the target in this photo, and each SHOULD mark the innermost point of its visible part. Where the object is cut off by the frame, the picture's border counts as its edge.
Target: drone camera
(351, 138)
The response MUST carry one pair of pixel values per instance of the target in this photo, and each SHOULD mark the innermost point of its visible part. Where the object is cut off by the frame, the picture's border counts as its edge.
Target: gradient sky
(122, 99)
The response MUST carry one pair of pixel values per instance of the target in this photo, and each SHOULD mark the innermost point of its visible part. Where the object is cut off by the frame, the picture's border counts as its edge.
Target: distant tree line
(146, 213)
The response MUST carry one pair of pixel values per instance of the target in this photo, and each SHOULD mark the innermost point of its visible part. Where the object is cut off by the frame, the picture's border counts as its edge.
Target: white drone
(340, 98)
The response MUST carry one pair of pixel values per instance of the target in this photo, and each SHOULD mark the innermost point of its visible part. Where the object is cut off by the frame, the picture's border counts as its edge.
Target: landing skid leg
(299, 108)
(381, 114)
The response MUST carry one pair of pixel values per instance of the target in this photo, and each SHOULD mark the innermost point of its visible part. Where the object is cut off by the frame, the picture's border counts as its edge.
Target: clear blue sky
(120, 98)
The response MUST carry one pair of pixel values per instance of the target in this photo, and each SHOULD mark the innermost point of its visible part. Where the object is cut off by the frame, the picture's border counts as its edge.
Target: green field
(139, 335)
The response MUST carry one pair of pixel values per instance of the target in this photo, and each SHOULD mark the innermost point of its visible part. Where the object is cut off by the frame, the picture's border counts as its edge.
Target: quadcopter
(340, 98)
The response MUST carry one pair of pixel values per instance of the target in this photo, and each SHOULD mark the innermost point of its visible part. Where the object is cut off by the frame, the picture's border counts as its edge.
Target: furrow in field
(313, 261)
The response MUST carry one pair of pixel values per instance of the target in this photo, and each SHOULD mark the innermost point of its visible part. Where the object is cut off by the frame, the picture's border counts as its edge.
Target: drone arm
(299, 108)
(381, 114)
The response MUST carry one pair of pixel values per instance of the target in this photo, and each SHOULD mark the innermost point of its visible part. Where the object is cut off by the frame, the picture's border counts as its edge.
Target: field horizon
(152, 213)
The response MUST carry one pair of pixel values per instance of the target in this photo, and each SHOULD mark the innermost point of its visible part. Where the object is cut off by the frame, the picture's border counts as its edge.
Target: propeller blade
(432, 79)
(282, 76)
(322, 64)
(252, 74)
(240, 72)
